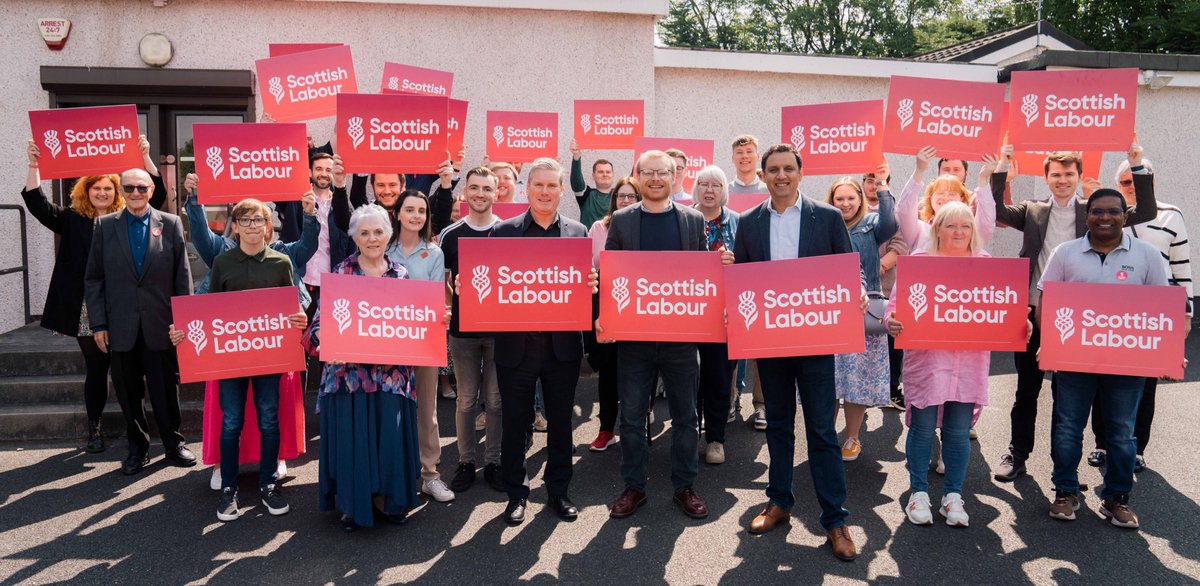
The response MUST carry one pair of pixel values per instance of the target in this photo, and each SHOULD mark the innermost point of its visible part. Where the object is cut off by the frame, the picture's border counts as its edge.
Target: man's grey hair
(371, 212)
(1124, 166)
(546, 164)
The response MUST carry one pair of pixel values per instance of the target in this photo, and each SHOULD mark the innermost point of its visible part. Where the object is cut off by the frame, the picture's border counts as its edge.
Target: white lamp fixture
(1156, 80)
(155, 49)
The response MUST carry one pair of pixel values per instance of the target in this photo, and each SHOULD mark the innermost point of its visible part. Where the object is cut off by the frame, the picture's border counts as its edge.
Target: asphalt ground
(67, 516)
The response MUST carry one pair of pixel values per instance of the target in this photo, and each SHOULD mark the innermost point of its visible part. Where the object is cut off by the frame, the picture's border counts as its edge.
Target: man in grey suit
(657, 223)
(137, 263)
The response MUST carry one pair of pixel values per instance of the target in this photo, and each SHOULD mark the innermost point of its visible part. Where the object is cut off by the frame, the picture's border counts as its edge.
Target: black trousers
(712, 398)
(603, 359)
(95, 384)
(140, 372)
(1141, 425)
(896, 362)
(517, 385)
(1029, 386)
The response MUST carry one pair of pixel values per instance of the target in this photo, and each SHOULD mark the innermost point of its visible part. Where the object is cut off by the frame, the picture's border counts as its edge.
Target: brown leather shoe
(769, 518)
(691, 503)
(628, 503)
(842, 544)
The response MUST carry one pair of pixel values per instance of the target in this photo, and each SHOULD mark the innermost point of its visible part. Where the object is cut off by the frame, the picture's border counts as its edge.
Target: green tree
(903, 28)
(850, 27)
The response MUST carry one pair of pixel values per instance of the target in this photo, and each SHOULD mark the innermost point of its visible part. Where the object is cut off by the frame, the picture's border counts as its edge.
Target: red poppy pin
(156, 231)
(424, 254)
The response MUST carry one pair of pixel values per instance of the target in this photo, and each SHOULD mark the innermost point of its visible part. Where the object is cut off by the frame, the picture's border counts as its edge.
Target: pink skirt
(291, 423)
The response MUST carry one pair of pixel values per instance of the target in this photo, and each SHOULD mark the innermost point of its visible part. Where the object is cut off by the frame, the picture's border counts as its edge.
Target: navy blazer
(822, 231)
(510, 346)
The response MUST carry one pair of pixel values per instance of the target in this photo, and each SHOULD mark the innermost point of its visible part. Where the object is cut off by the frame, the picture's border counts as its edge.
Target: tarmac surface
(68, 516)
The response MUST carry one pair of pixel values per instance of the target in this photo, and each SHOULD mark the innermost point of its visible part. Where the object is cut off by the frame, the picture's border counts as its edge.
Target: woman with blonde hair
(65, 312)
(919, 203)
(942, 388)
(863, 380)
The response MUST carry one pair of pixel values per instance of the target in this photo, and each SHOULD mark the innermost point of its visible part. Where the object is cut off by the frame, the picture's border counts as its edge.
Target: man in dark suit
(784, 227)
(657, 223)
(524, 358)
(138, 261)
(1045, 224)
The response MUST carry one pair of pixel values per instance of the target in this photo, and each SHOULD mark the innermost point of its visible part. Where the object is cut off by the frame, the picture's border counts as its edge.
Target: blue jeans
(640, 364)
(232, 392)
(956, 444)
(813, 375)
(1119, 397)
(741, 375)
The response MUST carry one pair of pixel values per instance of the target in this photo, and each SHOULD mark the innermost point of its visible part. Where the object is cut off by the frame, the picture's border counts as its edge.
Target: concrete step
(67, 389)
(56, 422)
(32, 350)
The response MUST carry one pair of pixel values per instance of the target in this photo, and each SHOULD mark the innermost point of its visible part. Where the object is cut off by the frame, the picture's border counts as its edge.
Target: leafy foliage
(903, 28)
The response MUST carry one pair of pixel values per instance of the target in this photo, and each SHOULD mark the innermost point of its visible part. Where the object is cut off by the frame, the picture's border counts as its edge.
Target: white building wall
(539, 59)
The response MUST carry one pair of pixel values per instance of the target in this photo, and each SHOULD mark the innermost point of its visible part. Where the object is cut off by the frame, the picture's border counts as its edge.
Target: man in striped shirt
(1167, 233)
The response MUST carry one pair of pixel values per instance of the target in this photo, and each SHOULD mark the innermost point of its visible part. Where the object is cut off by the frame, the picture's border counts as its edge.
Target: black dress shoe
(181, 456)
(514, 513)
(564, 508)
(134, 464)
(347, 523)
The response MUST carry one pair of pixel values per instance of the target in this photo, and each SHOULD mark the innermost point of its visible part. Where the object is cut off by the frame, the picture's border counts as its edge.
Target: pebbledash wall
(536, 55)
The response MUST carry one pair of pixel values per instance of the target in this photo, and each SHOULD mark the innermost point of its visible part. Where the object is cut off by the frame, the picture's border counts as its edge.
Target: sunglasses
(140, 188)
(1126, 182)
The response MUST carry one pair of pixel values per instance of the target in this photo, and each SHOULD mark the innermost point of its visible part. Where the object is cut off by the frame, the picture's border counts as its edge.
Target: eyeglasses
(139, 188)
(1125, 182)
(621, 196)
(655, 173)
(247, 222)
(707, 185)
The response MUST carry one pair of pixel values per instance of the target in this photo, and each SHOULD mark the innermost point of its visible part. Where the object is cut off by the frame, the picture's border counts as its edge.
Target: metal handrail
(24, 268)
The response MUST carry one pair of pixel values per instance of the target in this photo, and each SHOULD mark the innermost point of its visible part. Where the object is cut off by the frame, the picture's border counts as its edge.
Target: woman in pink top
(919, 203)
(942, 387)
(603, 357)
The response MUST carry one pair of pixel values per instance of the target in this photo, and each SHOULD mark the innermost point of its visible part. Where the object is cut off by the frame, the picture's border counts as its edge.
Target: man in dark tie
(137, 263)
(784, 227)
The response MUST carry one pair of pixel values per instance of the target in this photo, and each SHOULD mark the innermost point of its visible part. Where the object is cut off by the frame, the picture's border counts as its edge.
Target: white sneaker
(941, 467)
(281, 470)
(974, 434)
(918, 509)
(952, 510)
(215, 481)
(438, 490)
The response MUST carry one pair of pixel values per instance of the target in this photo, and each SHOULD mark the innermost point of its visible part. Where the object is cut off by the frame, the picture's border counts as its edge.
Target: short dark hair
(403, 181)
(1107, 192)
(601, 162)
(781, 148)
(963, 161)
(318, 156)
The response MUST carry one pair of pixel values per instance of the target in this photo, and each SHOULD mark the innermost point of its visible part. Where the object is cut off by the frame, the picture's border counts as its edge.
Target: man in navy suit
(790, 226)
